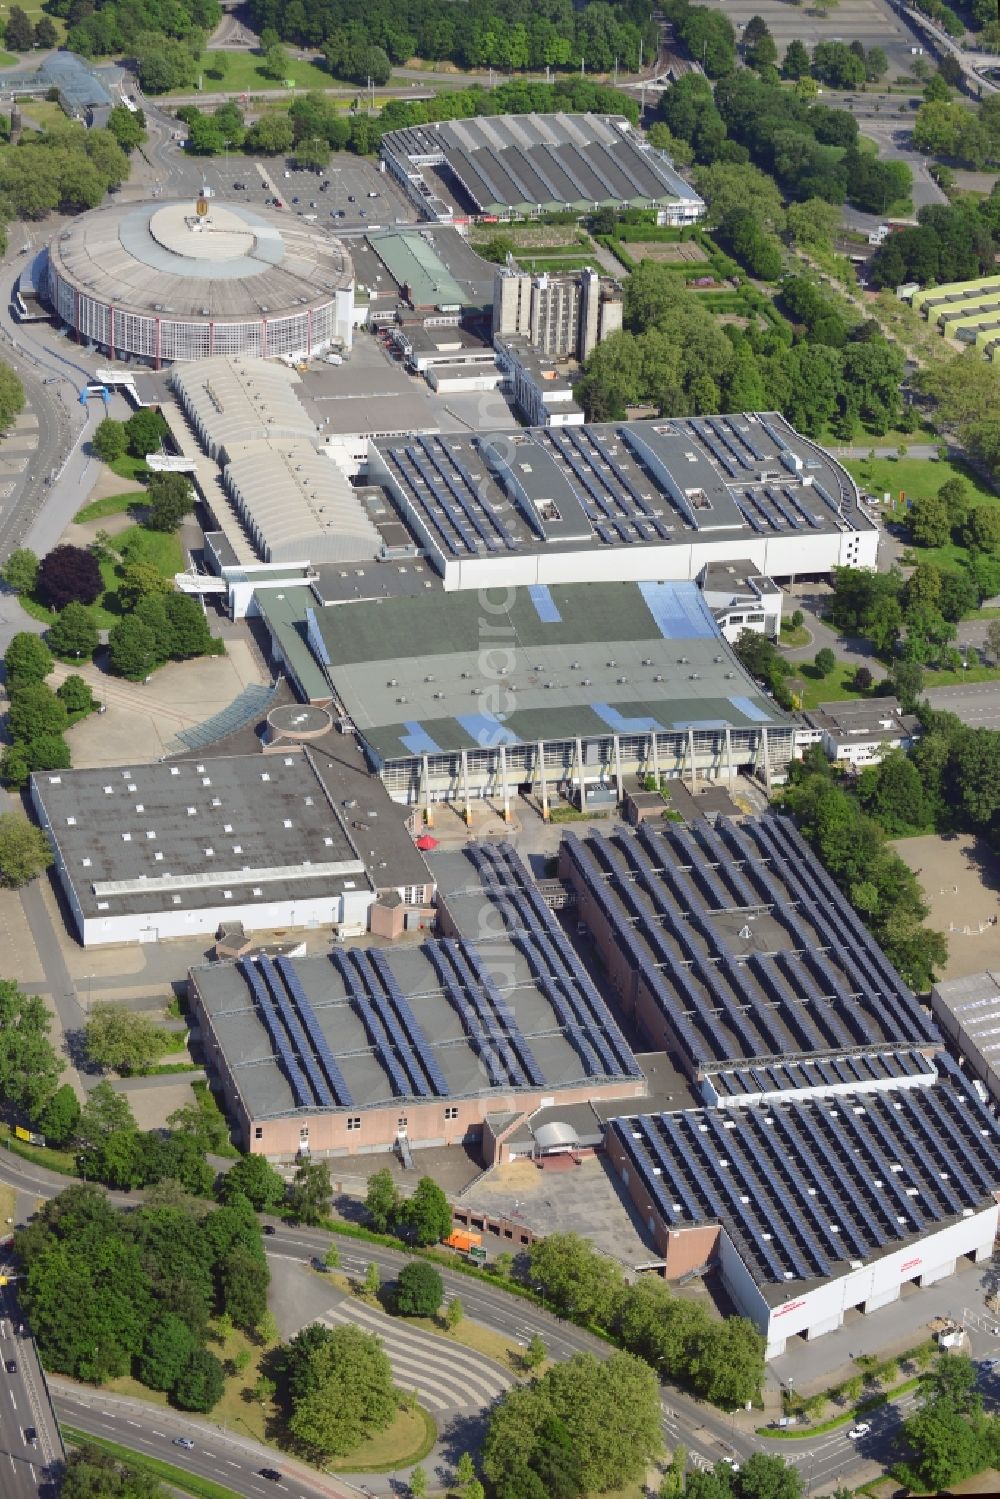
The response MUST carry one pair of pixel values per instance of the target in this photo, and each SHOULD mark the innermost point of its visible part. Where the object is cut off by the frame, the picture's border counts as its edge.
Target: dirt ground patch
(688, 251)
(961, 880)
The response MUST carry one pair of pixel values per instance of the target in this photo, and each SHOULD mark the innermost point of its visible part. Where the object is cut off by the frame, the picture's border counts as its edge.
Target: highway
(977, 704)
(24, 1406)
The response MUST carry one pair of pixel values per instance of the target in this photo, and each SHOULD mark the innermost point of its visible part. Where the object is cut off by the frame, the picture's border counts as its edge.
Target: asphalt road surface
(24, 1406)
(977, 705)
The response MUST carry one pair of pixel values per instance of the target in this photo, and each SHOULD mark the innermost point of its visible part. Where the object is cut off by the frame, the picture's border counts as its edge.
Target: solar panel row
(312, 1027)
(300, 1091)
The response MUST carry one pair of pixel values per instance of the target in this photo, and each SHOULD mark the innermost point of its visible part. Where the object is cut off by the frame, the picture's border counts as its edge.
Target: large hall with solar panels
(834, 1151)
(614, 501)
(350, 1051)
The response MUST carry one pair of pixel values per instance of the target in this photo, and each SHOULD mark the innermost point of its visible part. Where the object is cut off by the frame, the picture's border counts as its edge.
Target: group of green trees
(11, 395)
(950, 781)
(723, 1361)
(67, 168)
(854, 849)
(312, 121)
(92, 1473)
(309, 1197)
(113, 1292)
(166, 42)
(585, 1426)
(913, 620)
(965, 392)
(37, 717)
(837, 64)
(945, 127)
(486, 33)
(812, 151)
(140, 435)
(949, 1437)
(336, 1388)
(19, 35)
(422, 1218)
(674, 354)
(950, 242)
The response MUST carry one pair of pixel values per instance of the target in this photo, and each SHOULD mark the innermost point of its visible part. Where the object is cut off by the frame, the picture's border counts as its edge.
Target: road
(977, 705)
(24, 1406)
(708, 1434)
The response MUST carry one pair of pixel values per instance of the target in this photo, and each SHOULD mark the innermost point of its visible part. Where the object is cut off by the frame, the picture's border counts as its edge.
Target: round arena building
(162, 282)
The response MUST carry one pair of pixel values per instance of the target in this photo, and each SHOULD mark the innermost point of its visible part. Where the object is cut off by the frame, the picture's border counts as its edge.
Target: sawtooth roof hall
(461, 695)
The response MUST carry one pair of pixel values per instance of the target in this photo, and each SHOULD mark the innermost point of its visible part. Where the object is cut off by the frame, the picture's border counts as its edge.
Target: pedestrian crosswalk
(445, 1375)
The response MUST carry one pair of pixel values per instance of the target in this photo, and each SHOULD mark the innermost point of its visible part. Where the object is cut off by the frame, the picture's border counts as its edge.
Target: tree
(201, 1382)
(908, 680)
(138, 581)
(341, 1392)
(132, 649)
(312, 155)
(125, 1040)
(188, 632)
(863, 679)
(254, 1178)
(825, 662)
(91, 1473)
(796, 62)
(610, 1414)
(109, 440)
(29, 1067)
(383, 1200)
(427, 1215)
(372, 1282)
(34, 710)
(73, 633)
(311, 1194)
(145, 430)
(68, 575)
(276, 63)
(27, 658)
(24, 850)
(574, 1275)
(465, 1471)
(876, 64)
(418, 1482)
(929, 521)
(59, 1116)
(19, 34)
(20, 572)
(243, 1280)
(105, 1113)
(129, 127)
(77, 696)
(166, 1352)
(893, 793)
(171, 498)
(726, 1364)
(535, 1352)
(419, 1290)
(454, 1313)
(46, 35)
(981, 531)
(767, 1476)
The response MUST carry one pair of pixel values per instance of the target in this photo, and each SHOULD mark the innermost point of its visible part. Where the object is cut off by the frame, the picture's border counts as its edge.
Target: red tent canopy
(425, 843)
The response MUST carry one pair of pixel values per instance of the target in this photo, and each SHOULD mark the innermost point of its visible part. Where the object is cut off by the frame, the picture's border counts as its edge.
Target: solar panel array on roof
(555, 967)
(285, 1011)
(862, 1068)
(789, 972)
(391, 1027)
(802, 1184)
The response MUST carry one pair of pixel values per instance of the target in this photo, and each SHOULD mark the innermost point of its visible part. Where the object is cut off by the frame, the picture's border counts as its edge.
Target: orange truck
(463, 1240)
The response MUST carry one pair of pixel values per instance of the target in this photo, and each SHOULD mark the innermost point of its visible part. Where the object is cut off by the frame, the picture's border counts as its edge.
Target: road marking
(162, 1434)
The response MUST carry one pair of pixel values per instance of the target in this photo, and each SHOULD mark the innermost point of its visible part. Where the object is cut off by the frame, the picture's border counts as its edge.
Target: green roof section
(413, 262)
(285, 613)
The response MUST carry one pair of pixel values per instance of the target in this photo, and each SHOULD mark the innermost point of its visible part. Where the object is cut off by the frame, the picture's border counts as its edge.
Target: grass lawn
(409, 1439)
(243, 74)
(112, 504)
(915, 477)
(127, 467)
(791, 635)
(160, 549)
(538, 263)
(8, 59)
(62, 1161)
(836, 688)
(45, 113)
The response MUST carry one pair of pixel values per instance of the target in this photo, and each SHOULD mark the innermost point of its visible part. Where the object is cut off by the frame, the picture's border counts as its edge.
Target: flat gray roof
(521, 162)
(974, 1006)
(582, 660)
(136, 841)
(614, 484)
(447, 1019)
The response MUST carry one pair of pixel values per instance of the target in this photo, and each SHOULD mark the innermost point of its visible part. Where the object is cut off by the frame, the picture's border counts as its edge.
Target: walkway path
(446, 1376)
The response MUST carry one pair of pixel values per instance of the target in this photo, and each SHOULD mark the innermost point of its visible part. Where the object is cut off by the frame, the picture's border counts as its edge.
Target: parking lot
(871, 22)
(344, 199)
